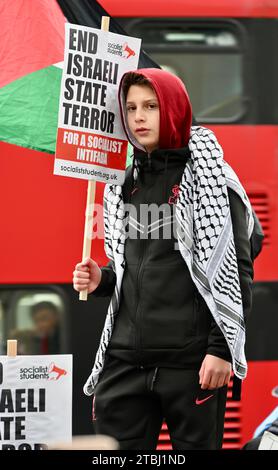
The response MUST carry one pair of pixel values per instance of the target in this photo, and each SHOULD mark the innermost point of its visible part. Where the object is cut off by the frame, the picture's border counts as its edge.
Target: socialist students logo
(51, 372)
(55, 372)
(122, 50)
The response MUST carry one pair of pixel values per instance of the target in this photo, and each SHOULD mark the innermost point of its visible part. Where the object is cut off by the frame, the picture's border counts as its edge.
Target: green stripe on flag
(29, 110)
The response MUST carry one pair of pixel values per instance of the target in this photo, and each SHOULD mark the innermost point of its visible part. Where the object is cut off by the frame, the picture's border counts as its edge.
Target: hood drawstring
(165, 177)
(154, 377)
(144, 162)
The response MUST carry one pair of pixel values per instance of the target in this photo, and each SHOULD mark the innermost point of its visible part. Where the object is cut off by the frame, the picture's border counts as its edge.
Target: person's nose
(139, 115)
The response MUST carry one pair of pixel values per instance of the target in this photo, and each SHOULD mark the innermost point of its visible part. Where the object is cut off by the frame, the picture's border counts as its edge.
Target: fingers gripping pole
(88, 228)
(105, 20)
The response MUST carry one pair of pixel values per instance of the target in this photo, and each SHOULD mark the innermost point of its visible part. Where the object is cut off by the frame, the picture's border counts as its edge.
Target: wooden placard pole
(91, 190)
(12, 347)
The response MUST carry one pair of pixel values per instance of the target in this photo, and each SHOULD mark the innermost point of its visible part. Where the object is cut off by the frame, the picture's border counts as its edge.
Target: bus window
(34, 318)
(207, 58)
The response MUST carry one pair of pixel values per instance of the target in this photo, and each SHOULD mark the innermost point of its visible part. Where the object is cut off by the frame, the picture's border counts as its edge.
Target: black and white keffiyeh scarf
(205, 240)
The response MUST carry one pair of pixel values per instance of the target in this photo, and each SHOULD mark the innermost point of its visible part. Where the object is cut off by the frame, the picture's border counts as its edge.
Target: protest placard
(91, 143)
(35, 401)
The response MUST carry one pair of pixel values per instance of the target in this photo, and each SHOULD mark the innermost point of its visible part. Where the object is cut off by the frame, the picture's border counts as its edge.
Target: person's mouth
(142, 130)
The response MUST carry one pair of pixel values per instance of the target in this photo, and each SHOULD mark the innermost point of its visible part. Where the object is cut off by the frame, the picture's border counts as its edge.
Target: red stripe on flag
(31, 37)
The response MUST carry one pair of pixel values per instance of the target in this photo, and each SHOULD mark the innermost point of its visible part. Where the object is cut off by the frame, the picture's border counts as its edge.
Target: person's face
(143, 115)
(45, 321)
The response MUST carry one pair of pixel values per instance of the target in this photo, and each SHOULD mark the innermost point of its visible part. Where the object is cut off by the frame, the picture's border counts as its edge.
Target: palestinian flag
(31, 61)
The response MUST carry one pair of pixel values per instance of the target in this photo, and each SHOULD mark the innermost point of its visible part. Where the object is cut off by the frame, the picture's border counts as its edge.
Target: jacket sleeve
(107, 282)
(108, 277)
(217, 345)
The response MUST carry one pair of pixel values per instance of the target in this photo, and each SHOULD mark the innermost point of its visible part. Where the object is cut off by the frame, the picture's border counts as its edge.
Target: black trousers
(130, 404)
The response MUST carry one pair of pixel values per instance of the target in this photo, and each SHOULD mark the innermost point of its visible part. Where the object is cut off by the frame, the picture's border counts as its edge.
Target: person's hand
(87, 275)
(214, 372)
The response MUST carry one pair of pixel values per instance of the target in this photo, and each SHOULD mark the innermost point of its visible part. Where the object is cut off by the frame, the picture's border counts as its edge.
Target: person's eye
(130, 108)
(153, 105)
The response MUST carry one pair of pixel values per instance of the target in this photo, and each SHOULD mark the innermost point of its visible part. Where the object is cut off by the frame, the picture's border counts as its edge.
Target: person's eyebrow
(145, 101)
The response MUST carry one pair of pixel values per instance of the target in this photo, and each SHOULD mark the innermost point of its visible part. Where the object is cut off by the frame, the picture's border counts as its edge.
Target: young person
(175, 326)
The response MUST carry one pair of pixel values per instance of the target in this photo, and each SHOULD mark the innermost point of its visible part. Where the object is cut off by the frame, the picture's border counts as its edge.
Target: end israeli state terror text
(86, 89)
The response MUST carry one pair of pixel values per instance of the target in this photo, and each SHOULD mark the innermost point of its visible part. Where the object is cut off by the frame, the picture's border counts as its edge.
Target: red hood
(175, 109)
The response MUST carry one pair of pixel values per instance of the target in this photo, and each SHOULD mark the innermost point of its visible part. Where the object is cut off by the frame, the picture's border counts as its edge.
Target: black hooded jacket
(162, 318)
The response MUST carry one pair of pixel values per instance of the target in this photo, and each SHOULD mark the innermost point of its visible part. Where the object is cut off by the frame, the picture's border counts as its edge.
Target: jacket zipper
(138, 342)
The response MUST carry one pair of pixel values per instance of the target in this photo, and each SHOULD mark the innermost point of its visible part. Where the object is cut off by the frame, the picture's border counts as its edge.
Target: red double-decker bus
(225, 52)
